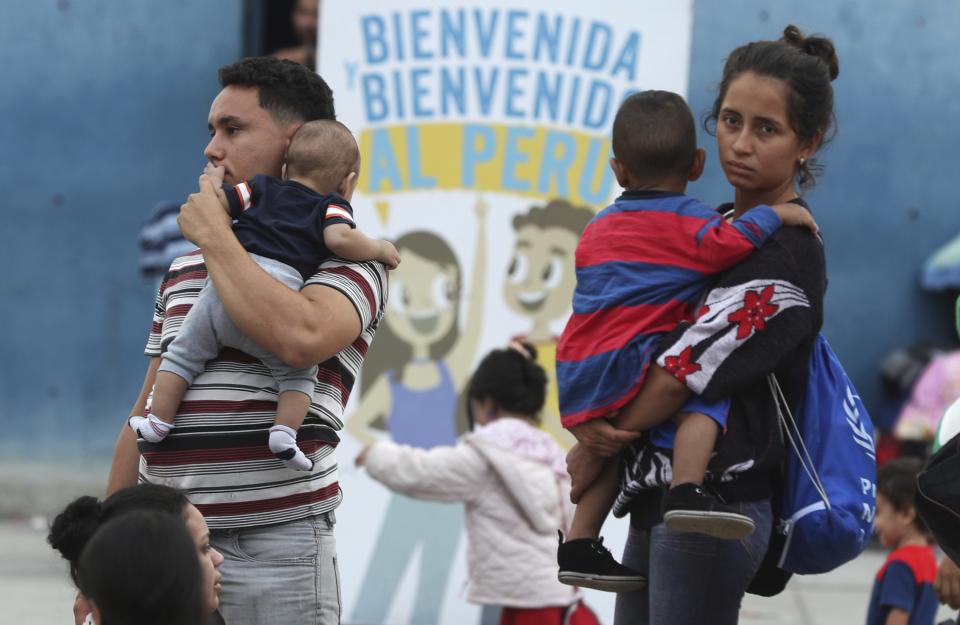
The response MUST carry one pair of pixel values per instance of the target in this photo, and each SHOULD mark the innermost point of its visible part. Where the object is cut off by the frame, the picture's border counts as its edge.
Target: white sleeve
(438, 474)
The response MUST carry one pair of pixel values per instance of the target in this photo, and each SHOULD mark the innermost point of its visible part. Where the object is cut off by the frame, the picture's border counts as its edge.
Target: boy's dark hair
(515, 383)
(72, 528)
(654, 136)
(325, 151)
(288, 90)
(897, 481)
(807, 65)
(142, 568)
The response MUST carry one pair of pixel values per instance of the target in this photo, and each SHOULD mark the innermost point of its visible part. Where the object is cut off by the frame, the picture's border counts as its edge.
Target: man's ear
(620, 172)
(348, 185)
(699, 159)
(290, 130)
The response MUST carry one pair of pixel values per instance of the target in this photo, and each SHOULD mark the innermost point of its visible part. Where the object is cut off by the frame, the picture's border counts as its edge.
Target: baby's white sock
(150, 429)
(283, 444)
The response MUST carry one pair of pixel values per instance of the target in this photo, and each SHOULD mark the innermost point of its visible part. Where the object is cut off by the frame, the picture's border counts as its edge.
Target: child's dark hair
(512, 379)
(72, 528)
(807, 65)
(288, 90)
(141, 568)
(897, 482)
(324, 151)
(654, 136)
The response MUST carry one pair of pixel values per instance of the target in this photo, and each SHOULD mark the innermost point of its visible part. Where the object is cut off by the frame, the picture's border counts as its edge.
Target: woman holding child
(774, 110)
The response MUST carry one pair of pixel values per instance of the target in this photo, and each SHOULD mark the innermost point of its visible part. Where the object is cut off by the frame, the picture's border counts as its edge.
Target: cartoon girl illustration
(539, 285)
(411, 381)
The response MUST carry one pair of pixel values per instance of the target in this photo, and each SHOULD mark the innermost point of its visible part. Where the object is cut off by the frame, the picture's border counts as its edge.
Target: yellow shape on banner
(526, 160)
(383, 211)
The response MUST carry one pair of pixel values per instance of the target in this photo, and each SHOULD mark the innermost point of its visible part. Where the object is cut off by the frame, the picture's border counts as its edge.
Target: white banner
(485, 135)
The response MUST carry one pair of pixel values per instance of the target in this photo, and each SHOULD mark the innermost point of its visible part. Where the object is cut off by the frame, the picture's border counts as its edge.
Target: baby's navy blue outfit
(280, 223)
(284, 220)
(905, 581)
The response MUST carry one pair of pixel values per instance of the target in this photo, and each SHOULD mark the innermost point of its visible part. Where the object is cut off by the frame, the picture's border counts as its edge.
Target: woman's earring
(802, 161)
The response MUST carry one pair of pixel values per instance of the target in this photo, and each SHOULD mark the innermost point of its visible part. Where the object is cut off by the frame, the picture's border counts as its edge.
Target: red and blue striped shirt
(642, 265)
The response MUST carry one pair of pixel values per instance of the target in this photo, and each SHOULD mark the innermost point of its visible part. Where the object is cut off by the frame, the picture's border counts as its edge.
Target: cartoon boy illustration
(539, 284)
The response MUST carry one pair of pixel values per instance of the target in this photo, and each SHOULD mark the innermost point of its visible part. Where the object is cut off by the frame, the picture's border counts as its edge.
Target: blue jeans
(693, 578)
(283, 574)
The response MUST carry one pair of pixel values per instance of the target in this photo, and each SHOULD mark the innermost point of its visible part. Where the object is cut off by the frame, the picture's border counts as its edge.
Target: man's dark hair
(897, 481)
(654, 136)
(288, 90)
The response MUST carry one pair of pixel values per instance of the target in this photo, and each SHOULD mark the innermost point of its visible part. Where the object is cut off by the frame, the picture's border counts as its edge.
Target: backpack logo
(860, 435)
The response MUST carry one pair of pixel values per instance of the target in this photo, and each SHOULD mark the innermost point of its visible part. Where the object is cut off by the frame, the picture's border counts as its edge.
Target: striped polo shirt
(217, 453)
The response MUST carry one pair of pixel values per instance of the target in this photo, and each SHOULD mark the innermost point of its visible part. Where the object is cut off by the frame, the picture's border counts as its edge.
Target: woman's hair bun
(815, 45)
(73, 527)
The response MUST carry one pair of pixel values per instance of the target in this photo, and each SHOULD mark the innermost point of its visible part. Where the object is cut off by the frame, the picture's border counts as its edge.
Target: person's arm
(947, 584)
(437, 474)
(897, 616)
(300, 328)
(756, 316)
(897, 592)
(460, 358)
(660, 398)
(720, 245)
(125, 466)
(351, 244)
(584, 467)
(796, 215)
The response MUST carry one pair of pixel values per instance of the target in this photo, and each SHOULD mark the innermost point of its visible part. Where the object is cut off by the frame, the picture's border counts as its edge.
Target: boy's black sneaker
(690, 508)
(586, 563)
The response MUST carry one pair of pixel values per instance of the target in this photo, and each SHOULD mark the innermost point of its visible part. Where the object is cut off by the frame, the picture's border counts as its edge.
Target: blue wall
(103, 112)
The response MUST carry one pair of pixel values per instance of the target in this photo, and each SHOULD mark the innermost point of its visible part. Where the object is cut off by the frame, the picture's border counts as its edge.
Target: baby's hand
(216, 173)
(388, 255)
(215, 176)
(796, 215)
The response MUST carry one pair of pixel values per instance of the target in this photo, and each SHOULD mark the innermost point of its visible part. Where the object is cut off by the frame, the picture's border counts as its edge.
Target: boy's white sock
(283, 444)
(150, 429)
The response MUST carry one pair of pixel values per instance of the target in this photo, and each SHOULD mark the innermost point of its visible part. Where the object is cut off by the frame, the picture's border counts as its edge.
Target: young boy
(642, 265)
(903, 592)
(290, 227)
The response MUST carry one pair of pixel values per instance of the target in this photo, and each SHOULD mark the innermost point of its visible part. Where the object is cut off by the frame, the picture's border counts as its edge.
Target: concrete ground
(35, 587)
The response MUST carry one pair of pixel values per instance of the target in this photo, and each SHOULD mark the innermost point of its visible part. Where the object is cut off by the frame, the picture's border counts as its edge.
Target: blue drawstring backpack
(829, 497)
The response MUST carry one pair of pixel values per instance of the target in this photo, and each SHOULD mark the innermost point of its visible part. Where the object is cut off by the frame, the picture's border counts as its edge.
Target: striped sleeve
(181, 284)
(758, 313)
(156, 326)
(338, 214)
(240, 198)
(363, 283)
(721, 245)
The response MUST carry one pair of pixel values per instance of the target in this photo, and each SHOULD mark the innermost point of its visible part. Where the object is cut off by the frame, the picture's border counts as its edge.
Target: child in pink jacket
(512, 478)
